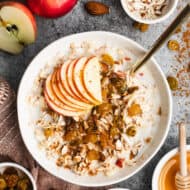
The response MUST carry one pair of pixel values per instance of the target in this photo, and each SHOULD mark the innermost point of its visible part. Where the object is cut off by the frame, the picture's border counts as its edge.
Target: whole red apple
(51, 8)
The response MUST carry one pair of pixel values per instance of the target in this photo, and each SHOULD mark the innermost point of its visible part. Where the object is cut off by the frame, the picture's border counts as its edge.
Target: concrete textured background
(13, 67)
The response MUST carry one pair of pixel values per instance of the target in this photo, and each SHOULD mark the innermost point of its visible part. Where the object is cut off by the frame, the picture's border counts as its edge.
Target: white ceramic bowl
(26, 115)
(161, 164)
(18, 167)
(169, 10)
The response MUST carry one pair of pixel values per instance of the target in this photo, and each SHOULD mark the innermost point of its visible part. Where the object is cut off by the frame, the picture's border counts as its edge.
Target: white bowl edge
(167, 123)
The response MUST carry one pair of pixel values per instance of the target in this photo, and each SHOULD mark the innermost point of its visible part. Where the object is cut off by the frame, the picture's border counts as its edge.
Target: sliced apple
(61, 110)
(64, 97)
(92, 79)
(65, 77)
(63, 81)
(19, 24)
(49, 92)
(69, 80)
(77, 77)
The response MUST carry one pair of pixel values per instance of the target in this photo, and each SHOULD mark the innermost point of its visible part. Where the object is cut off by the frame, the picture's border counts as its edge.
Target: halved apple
(64, 97)
(77, 77)
(91, 78)
(17, 27)
(51, 8)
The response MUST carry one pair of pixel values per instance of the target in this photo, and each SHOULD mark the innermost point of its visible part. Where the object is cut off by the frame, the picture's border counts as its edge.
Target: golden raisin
(104, 140)
(108, 59)
(93, 155)
(23, 184)
(134, 110)
(48, 132)
(70, 135)
(131, 131)
(3, 184)
(114, 131)
(104, 108)
(141, 26)
(144, 27)
(173, 45)
(91, 138)
(173, 83)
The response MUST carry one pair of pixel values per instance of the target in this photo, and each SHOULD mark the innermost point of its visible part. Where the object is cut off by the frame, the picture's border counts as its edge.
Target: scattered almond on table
(96, 8)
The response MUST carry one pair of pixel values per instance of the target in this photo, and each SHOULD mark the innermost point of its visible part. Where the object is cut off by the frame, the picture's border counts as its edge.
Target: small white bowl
(169, 10)
(161, 164)
(5, 165)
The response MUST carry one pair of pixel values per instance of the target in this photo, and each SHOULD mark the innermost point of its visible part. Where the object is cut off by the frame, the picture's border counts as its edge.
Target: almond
(96, 8)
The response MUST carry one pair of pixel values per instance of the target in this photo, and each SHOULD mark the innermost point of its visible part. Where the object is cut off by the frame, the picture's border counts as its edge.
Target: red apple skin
(51, 9)
(25, 10)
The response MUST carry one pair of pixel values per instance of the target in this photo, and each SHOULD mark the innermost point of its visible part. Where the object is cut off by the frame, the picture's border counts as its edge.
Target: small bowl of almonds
(149, 11)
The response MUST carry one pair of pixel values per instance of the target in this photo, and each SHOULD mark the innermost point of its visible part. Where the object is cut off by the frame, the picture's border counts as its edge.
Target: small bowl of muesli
(149, 11)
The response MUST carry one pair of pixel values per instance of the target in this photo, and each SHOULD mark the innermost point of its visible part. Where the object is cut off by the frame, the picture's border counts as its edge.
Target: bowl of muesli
(84, 118)
(149, 11)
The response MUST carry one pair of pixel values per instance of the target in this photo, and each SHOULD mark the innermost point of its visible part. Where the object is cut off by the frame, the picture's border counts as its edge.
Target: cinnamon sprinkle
(183, 58)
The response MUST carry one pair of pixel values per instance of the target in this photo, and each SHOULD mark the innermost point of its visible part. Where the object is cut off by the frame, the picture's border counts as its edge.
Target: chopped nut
(132, 155)
(132, 89)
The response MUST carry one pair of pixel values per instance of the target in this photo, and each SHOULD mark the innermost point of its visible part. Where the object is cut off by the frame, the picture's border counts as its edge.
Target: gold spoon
(182, 178)
(183, 15)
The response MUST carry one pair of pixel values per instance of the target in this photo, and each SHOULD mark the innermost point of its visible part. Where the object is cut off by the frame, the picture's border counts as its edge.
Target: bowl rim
(168, 122)
(20, 167)
(160, 165)
(150, 21)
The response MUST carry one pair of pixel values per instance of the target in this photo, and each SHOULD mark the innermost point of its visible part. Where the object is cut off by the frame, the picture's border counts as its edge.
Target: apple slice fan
(51, 8)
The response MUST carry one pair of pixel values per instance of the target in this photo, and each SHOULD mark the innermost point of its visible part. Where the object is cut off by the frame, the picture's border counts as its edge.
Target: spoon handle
(182, 147)
(183, 15)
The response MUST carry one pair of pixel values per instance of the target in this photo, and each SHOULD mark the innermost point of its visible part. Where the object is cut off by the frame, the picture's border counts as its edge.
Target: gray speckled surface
(12, 67)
